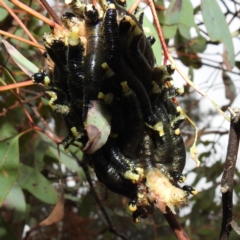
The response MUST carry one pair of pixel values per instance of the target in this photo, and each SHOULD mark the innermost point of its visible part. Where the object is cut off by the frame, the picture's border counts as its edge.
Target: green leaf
(9, 162)
(86, 205)
(180, 13)
(6, 232)
(186, 14)
(198, 44)
(172, 15)
(18, 207)
(27, 67)
(217, 28)
(169, 31)
(4, 12)
(65, 158)
(7, 130)
(160, 13)
(33, 181)
(184, 30)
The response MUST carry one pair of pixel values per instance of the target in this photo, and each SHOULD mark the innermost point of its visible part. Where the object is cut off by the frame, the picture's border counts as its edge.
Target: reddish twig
(134, 6)
(228, 174)
(19, 22)
(175, 226)
(22, 39)
(36, 14)
(16, 85)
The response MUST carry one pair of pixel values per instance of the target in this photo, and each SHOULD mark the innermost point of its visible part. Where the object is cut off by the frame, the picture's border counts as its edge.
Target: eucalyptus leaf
(3, 12)
(218, 29)
(65, 158)
(18, 207)
(172, 15)
(7, 130)
(34, 182)
(27, 67)
(9, 162)
(169, 31)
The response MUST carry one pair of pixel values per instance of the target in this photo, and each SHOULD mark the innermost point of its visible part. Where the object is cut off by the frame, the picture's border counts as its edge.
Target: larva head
(178, 196)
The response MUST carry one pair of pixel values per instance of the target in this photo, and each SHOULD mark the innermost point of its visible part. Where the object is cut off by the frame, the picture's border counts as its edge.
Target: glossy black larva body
(130, 140)
(93, 64)
(111, 32)
(116, 66)
(74, 56)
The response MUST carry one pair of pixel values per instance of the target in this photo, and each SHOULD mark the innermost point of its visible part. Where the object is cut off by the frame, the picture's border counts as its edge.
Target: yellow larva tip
(194, 192)
(111, 6)
(132, 207)
(177, 131)
(182, 179)
(74, 131)
(172, 67)
(140, 195)
(137, 220)
(68, 2)
(125, 87)
(128, 19)
(105, 66)
(180, 91)
(139, 170)
(101, 95)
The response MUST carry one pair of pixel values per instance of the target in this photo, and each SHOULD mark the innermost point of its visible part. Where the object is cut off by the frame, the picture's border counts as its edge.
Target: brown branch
(51, 12)
(175, 226)
(228, 174)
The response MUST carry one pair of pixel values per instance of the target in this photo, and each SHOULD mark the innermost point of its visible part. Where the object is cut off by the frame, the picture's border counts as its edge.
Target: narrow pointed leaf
(217, 28)
(9, 162)
(27, 67)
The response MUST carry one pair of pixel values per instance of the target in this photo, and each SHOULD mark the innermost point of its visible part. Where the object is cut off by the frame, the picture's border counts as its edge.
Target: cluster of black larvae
(101, 61)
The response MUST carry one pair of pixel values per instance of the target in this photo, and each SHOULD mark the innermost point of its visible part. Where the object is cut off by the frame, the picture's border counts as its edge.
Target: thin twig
(36, 14)
(22, 39)
(175, 226)
(228, 174)
(134, 6)
(19, 22)
(16, 85)
(50, 11)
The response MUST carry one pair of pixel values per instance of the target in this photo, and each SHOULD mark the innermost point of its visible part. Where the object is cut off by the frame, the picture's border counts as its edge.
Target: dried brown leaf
(56, 214)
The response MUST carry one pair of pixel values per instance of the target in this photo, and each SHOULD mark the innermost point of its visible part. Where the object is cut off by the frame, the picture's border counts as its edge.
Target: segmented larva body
(162, 192)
